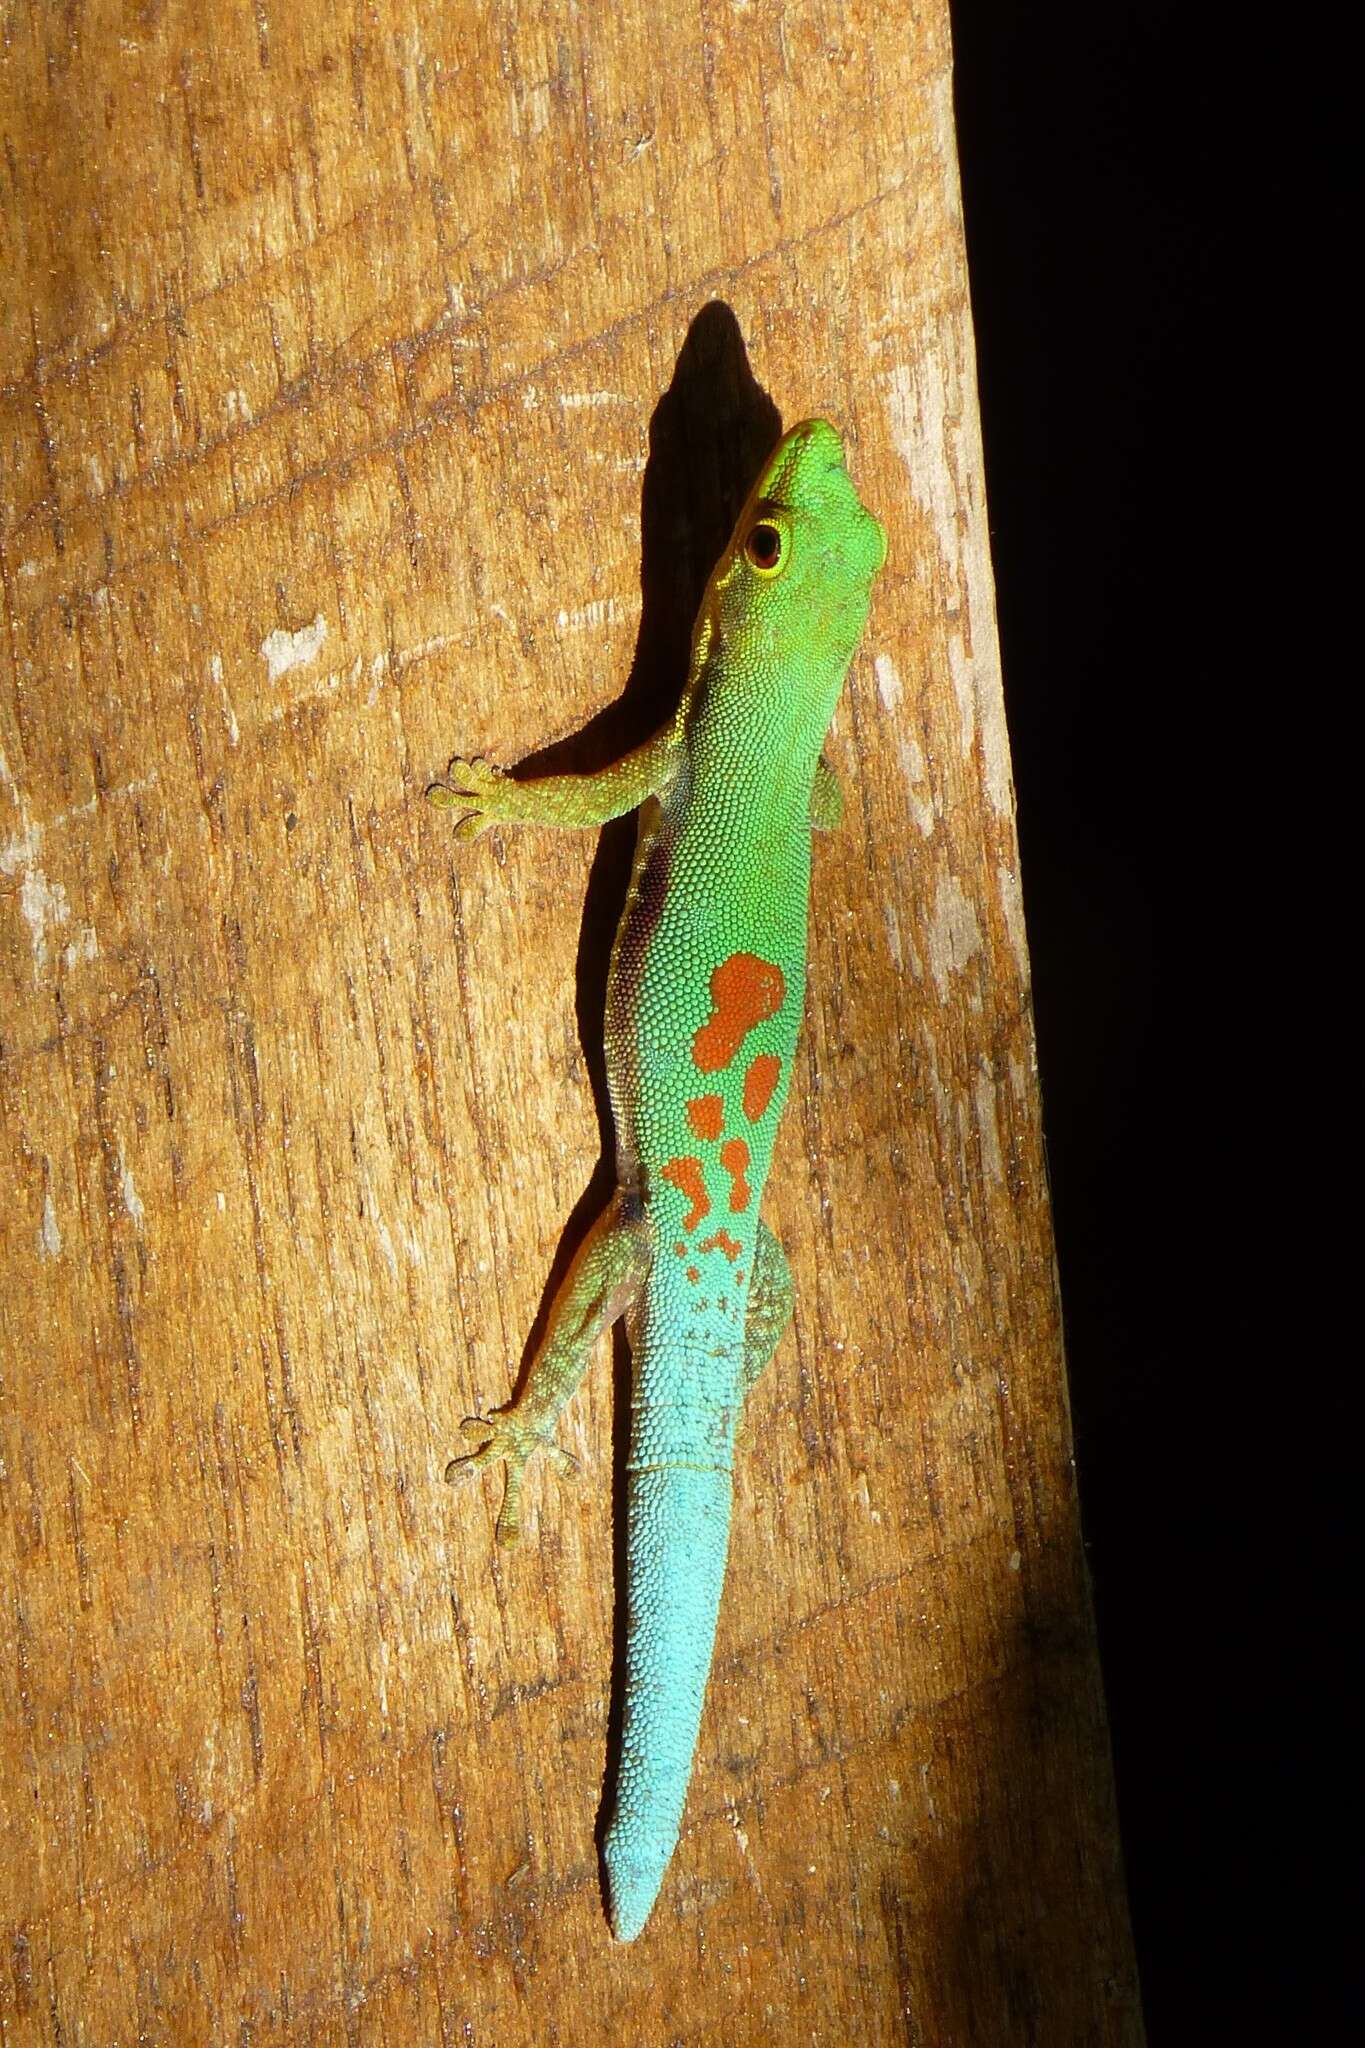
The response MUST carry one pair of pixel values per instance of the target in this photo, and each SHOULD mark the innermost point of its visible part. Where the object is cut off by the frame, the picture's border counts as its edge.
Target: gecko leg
(770, 1306)
(600, 1285)
(486, 795)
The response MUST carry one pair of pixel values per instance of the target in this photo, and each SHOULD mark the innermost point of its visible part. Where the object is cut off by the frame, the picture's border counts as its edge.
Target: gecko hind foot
(503, 1436)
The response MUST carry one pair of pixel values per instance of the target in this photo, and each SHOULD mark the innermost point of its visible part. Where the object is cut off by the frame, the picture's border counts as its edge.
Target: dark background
(1148, 320)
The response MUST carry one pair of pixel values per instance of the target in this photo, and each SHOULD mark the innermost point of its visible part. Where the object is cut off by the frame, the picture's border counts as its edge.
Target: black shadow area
(1133, 244)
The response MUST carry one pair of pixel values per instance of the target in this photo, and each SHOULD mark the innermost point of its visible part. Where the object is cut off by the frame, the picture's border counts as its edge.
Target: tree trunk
(379, 383)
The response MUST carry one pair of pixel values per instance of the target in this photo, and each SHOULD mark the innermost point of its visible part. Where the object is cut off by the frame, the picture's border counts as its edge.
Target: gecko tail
(678, 1529)
(634, 1884)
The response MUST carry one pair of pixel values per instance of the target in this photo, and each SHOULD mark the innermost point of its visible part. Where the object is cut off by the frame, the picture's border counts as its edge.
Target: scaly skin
(704, 1006)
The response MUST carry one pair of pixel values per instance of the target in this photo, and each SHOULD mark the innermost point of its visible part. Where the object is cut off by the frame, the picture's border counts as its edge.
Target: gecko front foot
(482, 791)
(504, 1436)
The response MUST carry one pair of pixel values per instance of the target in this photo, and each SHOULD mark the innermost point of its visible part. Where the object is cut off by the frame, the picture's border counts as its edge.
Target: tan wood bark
(331, 341)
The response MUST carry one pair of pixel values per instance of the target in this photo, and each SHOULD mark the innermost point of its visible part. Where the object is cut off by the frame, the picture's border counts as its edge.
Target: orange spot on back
(693, 1275)
(706, 1113)
(723, 1242)
(744, 990)
(734, 1157)
(764, 1072)
(685, 1175)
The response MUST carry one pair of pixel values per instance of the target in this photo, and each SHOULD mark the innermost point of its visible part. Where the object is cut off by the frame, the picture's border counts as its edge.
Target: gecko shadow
(708, 437)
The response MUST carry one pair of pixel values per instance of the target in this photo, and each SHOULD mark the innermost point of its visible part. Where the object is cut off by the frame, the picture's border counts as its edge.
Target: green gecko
(705, 993)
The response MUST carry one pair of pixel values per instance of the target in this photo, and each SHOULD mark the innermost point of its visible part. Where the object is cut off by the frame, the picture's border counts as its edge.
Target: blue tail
(677, 1533)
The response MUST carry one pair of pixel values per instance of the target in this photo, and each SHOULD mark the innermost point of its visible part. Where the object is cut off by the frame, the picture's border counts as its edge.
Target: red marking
(681, 1250)
(706, 1113)
(693, 1275)
(722, 1241)
(739, 1276)
(765, 1070)
(744, 991)
(685, 1175)
(734, 1157)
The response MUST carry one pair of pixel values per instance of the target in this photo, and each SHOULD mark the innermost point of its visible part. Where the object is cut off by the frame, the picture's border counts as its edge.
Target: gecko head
(795, 582)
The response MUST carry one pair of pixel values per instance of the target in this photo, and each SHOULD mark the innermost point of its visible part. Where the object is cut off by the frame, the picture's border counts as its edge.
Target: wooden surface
(374, 384)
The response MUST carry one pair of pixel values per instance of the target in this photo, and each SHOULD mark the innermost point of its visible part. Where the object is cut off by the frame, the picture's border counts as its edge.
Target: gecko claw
(471, 824)
(478, 789)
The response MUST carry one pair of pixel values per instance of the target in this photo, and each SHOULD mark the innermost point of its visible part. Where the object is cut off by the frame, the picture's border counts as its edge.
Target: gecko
(705, 992)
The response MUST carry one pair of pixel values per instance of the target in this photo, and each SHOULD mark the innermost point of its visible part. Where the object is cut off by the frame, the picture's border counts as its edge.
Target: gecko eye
(766, 547)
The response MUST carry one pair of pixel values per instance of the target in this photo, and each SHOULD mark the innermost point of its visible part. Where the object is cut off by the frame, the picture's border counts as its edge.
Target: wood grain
(377, 381)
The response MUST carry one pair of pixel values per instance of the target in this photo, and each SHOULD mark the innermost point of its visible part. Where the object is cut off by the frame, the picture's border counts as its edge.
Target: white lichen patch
(916, 773)
(22, 850)
(603, 611)
(284, 651)
(1012, 908)
(988, 1129)
(44, 907)
(954, 934)
(572, 401)
(84, 947)
(132, 1200)
(49, 1233)
(42, 904)
(888, 682)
